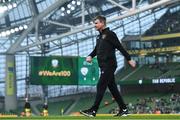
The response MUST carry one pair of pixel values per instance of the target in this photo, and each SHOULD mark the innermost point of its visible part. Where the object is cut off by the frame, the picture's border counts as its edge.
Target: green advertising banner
(88, 72)
(57, 70)
(53, 70)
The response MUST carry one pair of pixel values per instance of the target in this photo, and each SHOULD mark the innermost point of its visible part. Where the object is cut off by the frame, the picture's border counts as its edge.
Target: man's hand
(89, 59)
(132, 63)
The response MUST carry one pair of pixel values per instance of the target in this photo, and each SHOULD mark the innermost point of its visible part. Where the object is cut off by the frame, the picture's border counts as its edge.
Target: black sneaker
(88, 113)
(123, 112)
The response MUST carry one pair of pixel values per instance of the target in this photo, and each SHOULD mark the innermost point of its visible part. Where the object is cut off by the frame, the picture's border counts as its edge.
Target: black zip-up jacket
(107, 42)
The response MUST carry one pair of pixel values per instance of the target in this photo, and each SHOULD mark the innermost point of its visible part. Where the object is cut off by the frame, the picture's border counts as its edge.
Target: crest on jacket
(103, 36)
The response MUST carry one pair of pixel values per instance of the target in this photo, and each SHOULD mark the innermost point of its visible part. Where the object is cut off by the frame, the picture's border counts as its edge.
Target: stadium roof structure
(27, 24)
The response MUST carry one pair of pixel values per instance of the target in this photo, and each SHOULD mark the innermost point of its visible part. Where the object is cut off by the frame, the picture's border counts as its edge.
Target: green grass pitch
(103, 117)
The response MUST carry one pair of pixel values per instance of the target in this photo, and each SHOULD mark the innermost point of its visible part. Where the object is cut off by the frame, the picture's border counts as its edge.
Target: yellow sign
(10, 78)
(160, 37)
(154, 50)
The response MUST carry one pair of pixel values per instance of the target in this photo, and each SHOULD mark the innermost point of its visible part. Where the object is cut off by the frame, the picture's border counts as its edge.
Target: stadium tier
(148, 72)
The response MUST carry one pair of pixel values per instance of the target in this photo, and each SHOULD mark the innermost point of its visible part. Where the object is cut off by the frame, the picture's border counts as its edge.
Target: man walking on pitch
(106, 44)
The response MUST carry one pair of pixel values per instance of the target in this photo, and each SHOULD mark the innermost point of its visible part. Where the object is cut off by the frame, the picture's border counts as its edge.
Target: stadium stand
(137, 103)
(161, 70)
(153, 103)
(168, 23)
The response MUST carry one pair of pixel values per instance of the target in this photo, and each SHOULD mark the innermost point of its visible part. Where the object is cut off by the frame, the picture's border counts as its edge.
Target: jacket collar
(106, 29)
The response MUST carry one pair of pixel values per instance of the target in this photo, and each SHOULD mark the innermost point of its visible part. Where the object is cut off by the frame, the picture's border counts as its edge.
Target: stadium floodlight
(62, 14)
(10, 6)
(62, 9)
(68, 11)
(72, 8)
(8, 32)
(3, 34)
(25, 26)
(21, 28)
(5, 8)
(16, 29)
(12, 31)
(73, 2)
(69, 6)
(78, 3)
(14, 5)
(2, 9)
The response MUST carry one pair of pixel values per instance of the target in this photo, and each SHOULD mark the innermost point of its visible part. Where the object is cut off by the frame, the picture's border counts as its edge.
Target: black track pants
(107, 80)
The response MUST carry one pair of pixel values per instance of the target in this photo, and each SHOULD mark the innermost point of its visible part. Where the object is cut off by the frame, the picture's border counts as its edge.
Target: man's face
(98, 25)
